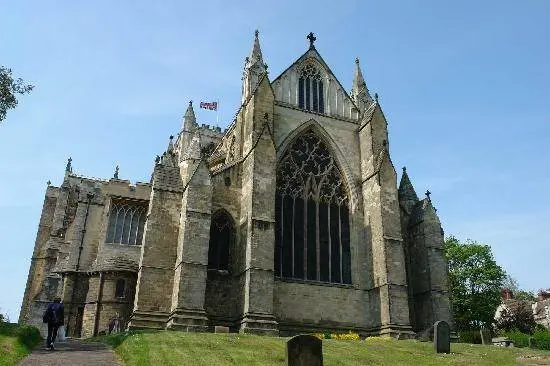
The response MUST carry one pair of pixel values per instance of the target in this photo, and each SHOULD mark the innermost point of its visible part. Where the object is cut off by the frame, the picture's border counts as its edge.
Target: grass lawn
(11, 350)
(179, 348)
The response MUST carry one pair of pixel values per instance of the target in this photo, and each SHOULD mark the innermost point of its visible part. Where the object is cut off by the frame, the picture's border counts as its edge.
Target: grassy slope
(177, 348)
(11, 350)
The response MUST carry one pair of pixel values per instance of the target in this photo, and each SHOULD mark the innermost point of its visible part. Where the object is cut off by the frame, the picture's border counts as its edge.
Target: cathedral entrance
(312, 235)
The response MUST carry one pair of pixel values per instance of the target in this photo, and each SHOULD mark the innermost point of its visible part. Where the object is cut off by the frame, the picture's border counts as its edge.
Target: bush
(541, 340)
(25, 334)
(29, 336)
(520, 339)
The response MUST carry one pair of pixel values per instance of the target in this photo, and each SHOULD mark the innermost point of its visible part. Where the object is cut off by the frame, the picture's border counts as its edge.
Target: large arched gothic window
(222, 234)
(126, 221)
(312, 237)
(310, 89)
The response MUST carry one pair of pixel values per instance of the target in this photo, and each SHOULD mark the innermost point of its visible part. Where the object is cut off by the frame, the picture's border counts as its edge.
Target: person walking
(53, 316)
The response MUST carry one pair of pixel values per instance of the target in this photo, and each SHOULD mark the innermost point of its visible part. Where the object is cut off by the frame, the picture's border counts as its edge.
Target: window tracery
(310, 89)
(126, 222)
(312, 215)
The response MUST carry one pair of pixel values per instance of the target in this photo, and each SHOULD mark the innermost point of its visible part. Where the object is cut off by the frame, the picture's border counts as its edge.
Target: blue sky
(464, 85)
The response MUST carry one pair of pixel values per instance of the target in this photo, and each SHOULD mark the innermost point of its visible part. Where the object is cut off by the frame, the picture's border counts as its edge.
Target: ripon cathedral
(289, 221)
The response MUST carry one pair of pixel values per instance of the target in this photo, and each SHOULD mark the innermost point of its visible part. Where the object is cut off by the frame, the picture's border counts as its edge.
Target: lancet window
(310, 89)
(126, 221)
(222, 234)
(312, 236)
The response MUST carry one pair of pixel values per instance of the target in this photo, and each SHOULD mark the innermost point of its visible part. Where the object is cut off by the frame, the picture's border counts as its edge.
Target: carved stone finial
(190, 103)
(69, 167)
(157, 159)
(115, 176)
(312, 39)
(171, 137)
(357, 60)
(404, 169)
(428, 193)
(49, 183)
(376, 97)
(256, 33)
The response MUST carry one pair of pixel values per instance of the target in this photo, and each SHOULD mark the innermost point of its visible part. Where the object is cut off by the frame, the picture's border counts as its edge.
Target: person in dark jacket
(54, 316)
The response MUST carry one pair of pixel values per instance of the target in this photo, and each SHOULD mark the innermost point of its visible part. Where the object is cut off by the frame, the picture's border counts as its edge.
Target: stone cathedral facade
(289, 221)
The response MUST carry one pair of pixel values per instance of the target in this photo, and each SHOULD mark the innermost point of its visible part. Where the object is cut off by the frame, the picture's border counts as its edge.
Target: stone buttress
(427, 267)
(153, 298)
(382, 220)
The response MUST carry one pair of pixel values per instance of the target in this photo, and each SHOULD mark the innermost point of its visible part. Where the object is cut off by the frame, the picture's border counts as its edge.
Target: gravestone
(221, 329)
(304, 350)
(442, 337)
(486, 337)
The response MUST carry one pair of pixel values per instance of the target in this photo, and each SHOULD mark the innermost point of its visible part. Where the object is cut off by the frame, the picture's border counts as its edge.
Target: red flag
(213, 106)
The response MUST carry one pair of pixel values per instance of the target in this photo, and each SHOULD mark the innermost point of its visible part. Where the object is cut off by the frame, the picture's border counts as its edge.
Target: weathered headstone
(486, 338)
(221, 329)
(442, 337)
(304, 350)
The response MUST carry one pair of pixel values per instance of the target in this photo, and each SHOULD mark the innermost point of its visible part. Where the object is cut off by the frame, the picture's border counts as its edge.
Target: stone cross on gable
(312, 39)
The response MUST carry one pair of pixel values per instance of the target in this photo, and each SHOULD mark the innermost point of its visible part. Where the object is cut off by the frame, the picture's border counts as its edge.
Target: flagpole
(218, 112)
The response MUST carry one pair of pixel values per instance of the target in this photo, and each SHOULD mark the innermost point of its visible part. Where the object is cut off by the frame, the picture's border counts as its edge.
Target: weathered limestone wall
(192, 252)
(153, 299)
(307, 307)
(383, 223)
(428, 272)
(37, 270)
(258, 211)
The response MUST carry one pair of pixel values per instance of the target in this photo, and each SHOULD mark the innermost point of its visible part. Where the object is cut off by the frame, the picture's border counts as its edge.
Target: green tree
(476, 281)
(9, 88)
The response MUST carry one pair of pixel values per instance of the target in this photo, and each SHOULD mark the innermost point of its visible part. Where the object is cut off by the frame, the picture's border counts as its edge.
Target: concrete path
(72, 353)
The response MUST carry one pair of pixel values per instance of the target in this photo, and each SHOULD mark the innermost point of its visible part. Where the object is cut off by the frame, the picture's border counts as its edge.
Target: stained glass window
(310, 89)
(126, 221)
(312, 238)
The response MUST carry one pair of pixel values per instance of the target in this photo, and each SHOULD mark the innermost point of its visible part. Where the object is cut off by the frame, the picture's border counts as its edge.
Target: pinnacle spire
(406, 190)
(189, 119)
(115, 176)
(360, 92)
(171, 144)
(69, 166)
(254, 69)
(256, 54)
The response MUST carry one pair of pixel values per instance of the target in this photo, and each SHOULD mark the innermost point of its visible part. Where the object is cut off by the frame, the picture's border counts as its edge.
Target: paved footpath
(72, 353)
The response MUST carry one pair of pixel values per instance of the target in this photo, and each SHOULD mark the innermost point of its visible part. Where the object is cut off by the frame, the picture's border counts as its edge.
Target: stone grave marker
(442, 337)
(221, 329)
(304, 350)
(486, 338)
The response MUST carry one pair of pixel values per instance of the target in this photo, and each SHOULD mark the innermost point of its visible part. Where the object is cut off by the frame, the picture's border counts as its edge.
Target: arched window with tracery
(126, 221)
(310, 89)
(222, 234)
(312, 236)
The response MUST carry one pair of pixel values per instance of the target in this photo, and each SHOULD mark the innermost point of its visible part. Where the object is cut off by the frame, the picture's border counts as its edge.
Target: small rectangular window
(120, 288)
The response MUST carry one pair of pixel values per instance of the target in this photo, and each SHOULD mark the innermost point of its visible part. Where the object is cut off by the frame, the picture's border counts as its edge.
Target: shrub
(29, 336)
(541, 340)
(25, 334)
(520, 339)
